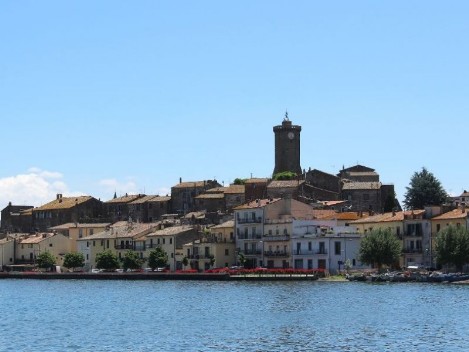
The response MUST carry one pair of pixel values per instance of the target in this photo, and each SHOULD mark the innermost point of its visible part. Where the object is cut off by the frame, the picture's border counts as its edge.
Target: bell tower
(287, 147)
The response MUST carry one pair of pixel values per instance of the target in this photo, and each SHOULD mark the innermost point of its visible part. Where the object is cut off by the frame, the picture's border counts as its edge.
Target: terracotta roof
(349, 215)
(211, 196)
(125, 199)
(226, 224)
(160, 199)
(257, 204)
(37, 238)
(171, 231)
(191, 184)
(142, 200)
(322, 213)
(389, 217)
(453, 214)
(71, 225)
(216, 190)
(361, 185)
(195, 214)
(257, 180)
(124, 230)
(285, 184)
(330, 203)
(64, 203)
(234, 189)
(362, 173)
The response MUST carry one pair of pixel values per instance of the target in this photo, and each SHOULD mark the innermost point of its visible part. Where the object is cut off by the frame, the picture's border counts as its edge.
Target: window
(91, 231)
(337, 248)
(164, 240)
(285, 232)
(310, 246)
(310, 263)
(50, 244)
(87, 256)
(94, 243)
(438, 227)
(171, 240)
(80, 233)
(227, 251)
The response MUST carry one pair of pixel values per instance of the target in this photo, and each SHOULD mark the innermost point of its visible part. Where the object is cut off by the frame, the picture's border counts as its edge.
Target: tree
(239, 181)
(185, 261)
(424, 189)
(132, 260)
(390, 203)
(452, 246)
(45, 260)
(74, 260)
(157, 258)
(107, 261)
(380, 247)
(285, 175)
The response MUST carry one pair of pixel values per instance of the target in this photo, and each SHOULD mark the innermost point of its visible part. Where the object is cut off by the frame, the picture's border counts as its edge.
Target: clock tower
(287, 147)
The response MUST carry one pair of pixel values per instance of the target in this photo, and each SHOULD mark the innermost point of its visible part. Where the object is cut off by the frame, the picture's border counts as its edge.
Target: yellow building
(215, 249)
(29, 247)
(171, 240)
(74, 231)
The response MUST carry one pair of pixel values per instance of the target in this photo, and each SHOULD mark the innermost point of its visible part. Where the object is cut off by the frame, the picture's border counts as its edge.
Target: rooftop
(259, 203)
(361, 185)
(64, 203)
(453, 214)
(171, 231)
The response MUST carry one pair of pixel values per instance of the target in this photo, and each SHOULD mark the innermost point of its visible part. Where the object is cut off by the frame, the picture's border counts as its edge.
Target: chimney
(59, 195)
(180, 179)
(393, 213)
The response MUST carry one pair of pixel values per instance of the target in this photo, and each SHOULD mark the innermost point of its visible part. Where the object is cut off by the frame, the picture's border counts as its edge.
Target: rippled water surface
(226, 316)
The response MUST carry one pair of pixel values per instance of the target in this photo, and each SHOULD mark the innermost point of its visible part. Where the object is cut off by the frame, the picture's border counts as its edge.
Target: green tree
(239, 181)
(45, 260)
(285, 175)
(132, 260)
(424, 189)
(390, 203)
(107, 261)
(241, 259)
(380, 247)
(185, 261)
(74, 260)
(157, 258)
(452, 246)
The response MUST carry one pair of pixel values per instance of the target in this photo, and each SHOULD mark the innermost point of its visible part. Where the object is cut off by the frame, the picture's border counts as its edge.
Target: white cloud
(112, 185)
(35, 187)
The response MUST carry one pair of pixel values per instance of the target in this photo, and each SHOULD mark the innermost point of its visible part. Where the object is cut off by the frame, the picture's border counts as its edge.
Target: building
(119, 209)
(285, 189)
(30, 246)
(216, 248)
(255, 188)
(67, 209)
(287, 147)
(75, 231)
(7, 251)
(184, 193)
(14, 219)
(172, 240)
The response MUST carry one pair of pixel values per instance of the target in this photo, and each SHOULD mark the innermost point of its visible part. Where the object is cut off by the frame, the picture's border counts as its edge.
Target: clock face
(291, 135)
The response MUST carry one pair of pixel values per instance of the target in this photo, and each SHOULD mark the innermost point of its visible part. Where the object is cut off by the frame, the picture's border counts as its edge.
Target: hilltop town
(301, 219)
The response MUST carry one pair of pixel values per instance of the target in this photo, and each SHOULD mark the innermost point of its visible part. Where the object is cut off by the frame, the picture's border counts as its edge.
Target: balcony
(249, 237)
(276, 254)
(199, 256)
(131, 247)
(272, 238)
(412, 250)
(252, 252)
(257, 220)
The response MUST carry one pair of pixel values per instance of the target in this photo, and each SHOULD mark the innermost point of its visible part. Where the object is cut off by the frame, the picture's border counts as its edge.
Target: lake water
(231, 316)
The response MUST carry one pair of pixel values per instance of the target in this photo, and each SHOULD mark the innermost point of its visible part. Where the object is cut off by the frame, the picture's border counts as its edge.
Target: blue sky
(97, 97)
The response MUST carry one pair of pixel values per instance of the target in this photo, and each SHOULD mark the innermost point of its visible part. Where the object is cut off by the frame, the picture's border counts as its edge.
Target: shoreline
(155, 276)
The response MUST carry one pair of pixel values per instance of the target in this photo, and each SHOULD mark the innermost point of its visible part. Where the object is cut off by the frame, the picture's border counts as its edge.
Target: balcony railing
(413, 234)
(272, 238)
(249, 237)
(130, 246)
(257, 220)
(276, 254)
(199, 256)
(309, 252)
(252, 252)
(412, 250)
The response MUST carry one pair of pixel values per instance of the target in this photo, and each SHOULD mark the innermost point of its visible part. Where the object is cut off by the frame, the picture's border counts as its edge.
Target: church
(356, 188)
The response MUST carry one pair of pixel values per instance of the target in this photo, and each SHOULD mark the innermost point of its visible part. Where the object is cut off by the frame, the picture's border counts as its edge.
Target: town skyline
(143, 96)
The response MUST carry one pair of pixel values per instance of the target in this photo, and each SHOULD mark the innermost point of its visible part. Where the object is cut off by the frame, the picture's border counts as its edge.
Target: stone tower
(287, 147)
